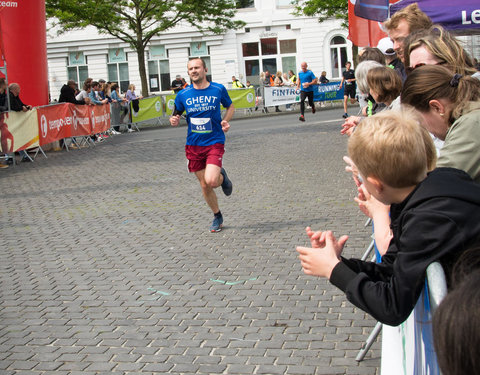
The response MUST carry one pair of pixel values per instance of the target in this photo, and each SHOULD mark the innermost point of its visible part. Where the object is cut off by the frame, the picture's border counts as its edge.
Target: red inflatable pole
(24, 42)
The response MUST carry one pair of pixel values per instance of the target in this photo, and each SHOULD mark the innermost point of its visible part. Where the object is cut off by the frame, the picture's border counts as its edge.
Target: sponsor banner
(408, 348)
(149, 108)
(65, 120)
(54, 123)
(18, 131)
(242, 98)
(81, 123)
(289, 94)
(328, 91)
(281, 95)
(452, 15)
(99, 117)
(169, 104)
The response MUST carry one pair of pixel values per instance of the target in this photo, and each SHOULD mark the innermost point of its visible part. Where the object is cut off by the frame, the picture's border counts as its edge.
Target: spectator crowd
(414, 154)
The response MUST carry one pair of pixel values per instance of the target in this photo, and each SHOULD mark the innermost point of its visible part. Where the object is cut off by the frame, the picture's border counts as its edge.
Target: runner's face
(196, 71)
(304, 67)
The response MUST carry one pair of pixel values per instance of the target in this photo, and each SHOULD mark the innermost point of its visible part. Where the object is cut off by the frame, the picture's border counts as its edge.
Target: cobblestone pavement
(108, 265)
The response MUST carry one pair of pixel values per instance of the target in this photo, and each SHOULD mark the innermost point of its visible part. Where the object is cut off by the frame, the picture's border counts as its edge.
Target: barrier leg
(368, 344)
(39, 149)
(368, 250)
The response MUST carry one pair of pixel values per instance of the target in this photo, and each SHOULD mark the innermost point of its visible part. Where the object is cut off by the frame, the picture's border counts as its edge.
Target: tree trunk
(142, 70)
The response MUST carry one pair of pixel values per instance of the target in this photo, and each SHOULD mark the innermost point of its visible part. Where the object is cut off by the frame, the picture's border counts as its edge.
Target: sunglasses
(410, 69)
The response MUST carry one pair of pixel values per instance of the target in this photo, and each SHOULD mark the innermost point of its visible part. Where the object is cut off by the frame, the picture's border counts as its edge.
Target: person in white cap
(391, 59)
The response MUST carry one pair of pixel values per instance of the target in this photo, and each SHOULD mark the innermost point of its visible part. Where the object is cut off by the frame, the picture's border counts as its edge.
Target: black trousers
(303, 96)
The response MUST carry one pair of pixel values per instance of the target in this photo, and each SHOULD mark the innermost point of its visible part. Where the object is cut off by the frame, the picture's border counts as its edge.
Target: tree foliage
(323, 9)
(136, 22)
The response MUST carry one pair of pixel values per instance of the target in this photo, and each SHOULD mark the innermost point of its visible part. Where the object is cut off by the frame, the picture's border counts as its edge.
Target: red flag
(363, 32)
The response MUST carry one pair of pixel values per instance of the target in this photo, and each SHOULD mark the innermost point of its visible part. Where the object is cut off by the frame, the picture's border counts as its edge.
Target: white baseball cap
(386, 46)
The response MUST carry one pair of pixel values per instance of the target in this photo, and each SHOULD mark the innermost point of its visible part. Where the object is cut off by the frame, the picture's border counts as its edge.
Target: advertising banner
(81, 124)
(149, 108)
(54, 123)
(169, 104)
(18, 131)
(99, 117)
(408, 348)
(289, 94)
(281, 95)
(452, 15)
(328, 91)
(65, 120)
(242, 98)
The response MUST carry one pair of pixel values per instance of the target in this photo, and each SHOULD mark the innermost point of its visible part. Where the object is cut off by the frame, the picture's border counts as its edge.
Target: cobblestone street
(108, 265)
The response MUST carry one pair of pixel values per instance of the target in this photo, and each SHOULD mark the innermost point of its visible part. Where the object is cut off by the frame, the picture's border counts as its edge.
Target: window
(250, 49)
(284, 3)
(338, 55)
(118, 68)
(269, 46)
(289, 63)
(245, 4)
(270, 65)
(77, 68)
(288, 46)
(158, 69)
(262, 56)
(252, 70)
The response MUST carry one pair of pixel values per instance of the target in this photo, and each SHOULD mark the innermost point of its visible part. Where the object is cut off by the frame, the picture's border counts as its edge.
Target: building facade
(272, 39)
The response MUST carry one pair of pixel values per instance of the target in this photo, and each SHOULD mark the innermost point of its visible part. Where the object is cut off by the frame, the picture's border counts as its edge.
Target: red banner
(81, 125)
(66, 120)
(99, 117)
(54, 123)
(363, 32)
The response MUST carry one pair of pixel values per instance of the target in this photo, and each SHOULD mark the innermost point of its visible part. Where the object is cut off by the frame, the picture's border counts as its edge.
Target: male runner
(350, 86)
(206, 133)
(305, 80)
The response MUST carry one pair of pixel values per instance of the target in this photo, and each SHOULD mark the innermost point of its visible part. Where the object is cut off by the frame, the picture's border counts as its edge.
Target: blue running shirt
(203, 113)
(306, 77)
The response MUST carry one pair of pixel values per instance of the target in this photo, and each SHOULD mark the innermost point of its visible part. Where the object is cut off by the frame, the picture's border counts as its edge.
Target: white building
(272, 39)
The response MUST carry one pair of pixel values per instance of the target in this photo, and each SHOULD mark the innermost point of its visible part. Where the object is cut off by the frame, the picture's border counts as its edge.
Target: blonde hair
(385, 82)
(413, 15)
(433, 82)
(443, 46)
(393, 147)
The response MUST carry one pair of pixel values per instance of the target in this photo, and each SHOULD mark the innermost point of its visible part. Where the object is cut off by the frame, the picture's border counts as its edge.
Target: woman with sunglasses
(437, 46)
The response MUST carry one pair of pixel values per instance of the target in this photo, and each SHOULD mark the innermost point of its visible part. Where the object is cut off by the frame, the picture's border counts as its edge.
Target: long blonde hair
(444, 46)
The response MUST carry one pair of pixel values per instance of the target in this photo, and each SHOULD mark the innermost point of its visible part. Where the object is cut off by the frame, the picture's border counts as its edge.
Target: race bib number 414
(201, 125)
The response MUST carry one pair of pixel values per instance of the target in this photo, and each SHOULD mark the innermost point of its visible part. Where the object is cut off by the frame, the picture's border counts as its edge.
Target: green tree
(137, 21)
(324, 9)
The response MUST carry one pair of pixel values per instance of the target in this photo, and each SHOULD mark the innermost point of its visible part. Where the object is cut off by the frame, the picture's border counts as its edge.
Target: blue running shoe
(216, 224)
(227, 185)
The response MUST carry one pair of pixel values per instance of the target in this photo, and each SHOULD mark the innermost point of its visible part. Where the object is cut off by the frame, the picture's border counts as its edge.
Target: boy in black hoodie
(435, 216)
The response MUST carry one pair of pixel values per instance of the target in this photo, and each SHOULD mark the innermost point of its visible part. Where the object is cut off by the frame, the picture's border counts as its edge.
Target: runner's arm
(228, 116)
